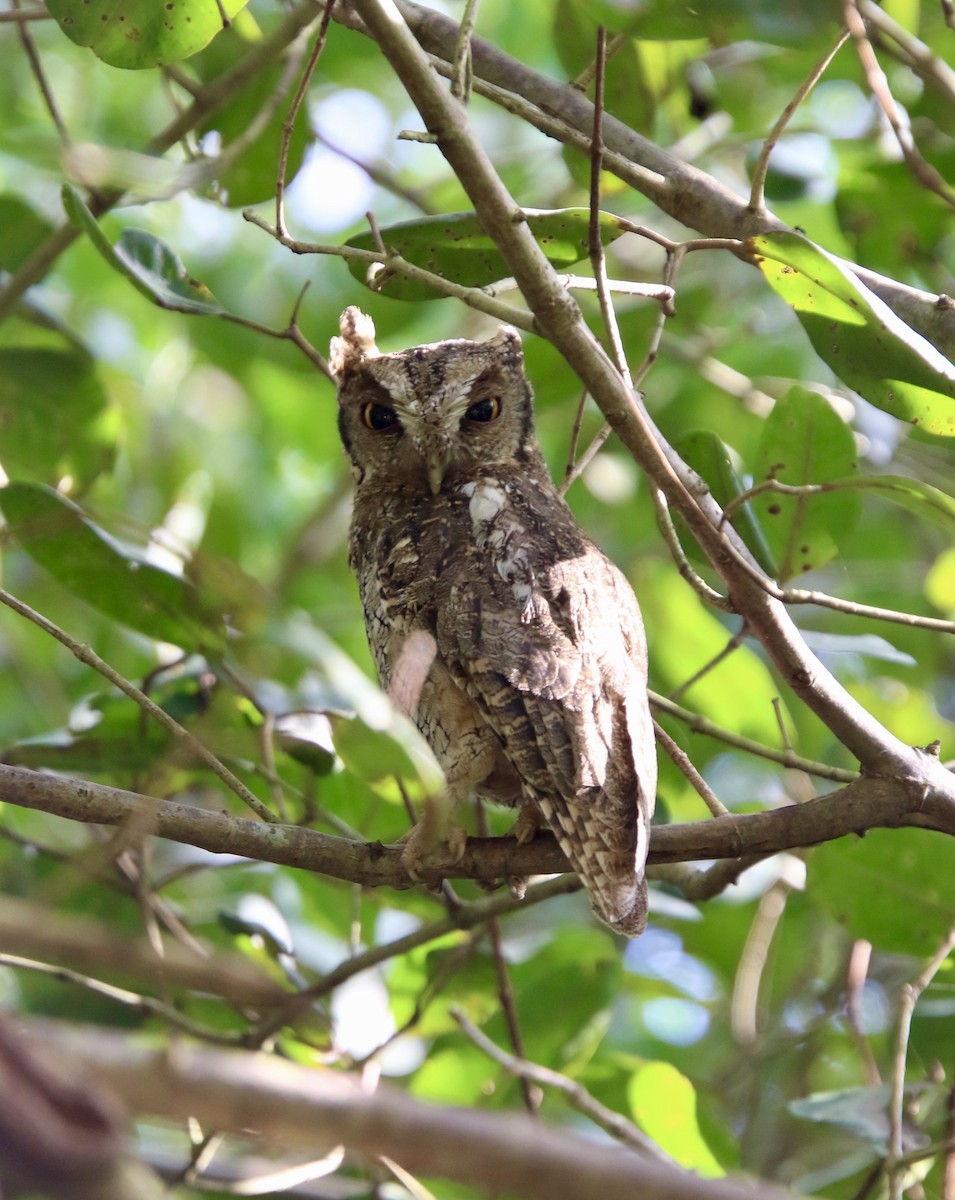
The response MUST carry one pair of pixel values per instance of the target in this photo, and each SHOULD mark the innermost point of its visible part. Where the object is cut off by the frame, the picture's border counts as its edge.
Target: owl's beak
(436, 469)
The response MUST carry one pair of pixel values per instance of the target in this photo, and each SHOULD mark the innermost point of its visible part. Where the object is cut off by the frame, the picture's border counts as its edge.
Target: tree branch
(302, 1108)
(864, 804)
(679, 189)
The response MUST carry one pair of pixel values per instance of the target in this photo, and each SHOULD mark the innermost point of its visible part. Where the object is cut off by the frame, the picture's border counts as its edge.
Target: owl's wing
(557, 666)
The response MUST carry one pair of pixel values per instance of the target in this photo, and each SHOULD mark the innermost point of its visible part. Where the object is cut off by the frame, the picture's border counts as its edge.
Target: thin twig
(461, 75)
(922, 171)
(731, 646)
(586, 76)
(288, 125)
(505, 992)
(598, 259)
(703, 725)
(36, 66)
(913, 53)
(569, 471)
(856, 970)
(665, 524)
(475, 297)
(681, 759)
(144, 1005)
(757, 198)
(617, 1126)
(596, 445)
(909, 998)
(752, 963)
(468, 916)
(90, 658)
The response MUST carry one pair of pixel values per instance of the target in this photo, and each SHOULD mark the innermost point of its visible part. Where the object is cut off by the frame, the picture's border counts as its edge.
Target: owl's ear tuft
(508, 338)
(356, 344)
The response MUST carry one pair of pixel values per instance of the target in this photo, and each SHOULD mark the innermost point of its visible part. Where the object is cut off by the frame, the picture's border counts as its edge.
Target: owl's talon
(422, 847)
(528, 822)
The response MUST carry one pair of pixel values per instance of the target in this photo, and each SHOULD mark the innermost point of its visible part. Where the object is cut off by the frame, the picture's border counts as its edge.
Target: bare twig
(288, 125)
(682, 761)
(731, 647)
(598, 259)
(619, 1128)
(909, 998)
(461, 74)
(90, 658)
(36, 66)
(757, 198)
(752, 963)
(856, 970)
(505, 991)
(923, 171)
(475, 297)
(914, 53)
(142, 1004)
(785, 758)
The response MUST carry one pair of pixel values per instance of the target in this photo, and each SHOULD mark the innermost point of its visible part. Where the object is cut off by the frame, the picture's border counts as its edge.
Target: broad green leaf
(149, 264)
(663, 1103)
(21, 231)
(702, 450)
(686, 637)
(913, 494)
(379, 740)
(55, 418)
(803, 442)
(456, 247)
(142, 33)
(893, 887)
(940, 582)
(112, 577)
(857, 334)
(250, 178)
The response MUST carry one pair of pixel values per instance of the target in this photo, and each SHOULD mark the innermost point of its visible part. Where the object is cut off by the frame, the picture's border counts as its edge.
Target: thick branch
(310, 1110)
(865, 804)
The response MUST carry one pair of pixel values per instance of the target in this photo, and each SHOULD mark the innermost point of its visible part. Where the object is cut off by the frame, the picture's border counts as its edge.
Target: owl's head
(432, 416)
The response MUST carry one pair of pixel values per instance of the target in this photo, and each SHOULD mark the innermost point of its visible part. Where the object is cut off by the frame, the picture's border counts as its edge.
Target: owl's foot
(424, 843)
(528, 822)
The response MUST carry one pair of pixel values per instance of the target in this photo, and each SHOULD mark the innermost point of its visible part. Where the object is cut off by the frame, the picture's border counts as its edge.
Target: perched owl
(526, 641)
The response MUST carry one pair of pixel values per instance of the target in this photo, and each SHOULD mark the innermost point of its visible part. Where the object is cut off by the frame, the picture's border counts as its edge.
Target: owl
(516, 647)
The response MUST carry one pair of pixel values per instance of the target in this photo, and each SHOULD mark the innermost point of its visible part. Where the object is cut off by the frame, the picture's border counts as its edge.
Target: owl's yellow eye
(485, 410)
(378, 416)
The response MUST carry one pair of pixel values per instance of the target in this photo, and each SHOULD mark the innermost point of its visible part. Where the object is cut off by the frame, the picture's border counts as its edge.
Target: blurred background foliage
(202, 449)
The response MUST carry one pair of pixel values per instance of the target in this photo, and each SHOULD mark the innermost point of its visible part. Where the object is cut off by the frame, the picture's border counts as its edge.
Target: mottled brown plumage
(525, 642)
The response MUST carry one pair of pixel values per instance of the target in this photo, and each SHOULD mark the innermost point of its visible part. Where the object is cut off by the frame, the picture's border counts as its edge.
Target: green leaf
(702, 450)
(113, 578)
(913, 494)
(456, 247)
(663, 1103)
(21, 231)
(893, 887)
(136, 34)
(149, 264)
(804, 441)
(857, 334)
(686, 636)
(250, 178)
(55, 417)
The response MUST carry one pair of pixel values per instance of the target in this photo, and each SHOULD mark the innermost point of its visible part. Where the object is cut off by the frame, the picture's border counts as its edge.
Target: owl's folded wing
(559, 673)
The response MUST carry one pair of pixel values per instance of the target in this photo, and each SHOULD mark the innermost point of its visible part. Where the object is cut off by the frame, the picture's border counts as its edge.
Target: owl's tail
(609, 861)
(625, 910)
